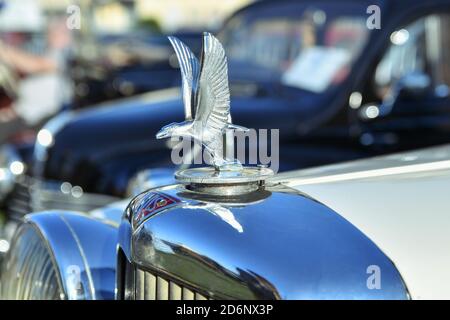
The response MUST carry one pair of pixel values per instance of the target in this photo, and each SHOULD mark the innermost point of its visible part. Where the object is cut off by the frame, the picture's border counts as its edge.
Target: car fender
(83, 249)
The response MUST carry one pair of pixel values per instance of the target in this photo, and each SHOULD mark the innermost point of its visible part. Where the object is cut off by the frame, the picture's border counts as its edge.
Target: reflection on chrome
(372, 112)
(45, 138)
(399, 37)
(4, 245)
(219, 211)
(17, 167)
(11, 168)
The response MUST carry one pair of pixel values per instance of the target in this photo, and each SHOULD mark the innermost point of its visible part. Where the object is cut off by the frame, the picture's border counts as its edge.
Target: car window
(289, 46)
(422, 46)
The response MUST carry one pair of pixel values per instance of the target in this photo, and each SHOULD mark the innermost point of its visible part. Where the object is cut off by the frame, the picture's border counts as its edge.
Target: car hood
(401, 203)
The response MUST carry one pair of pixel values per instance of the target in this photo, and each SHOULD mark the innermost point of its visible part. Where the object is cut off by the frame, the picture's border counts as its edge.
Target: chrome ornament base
(224, 182)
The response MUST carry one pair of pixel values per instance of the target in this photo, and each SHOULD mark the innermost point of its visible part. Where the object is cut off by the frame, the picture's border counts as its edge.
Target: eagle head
(173, 130)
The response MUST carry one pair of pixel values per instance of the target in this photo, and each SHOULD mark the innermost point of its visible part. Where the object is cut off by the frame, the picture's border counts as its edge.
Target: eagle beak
(162, 134)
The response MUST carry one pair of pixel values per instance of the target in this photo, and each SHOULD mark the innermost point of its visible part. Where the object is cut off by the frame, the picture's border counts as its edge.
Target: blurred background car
(127, 65)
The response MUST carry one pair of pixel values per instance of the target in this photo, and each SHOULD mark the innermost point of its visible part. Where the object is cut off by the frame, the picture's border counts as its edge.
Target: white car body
(401, 202)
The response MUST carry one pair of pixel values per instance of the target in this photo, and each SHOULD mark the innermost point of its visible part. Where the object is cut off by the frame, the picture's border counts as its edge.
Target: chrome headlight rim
(29, 270)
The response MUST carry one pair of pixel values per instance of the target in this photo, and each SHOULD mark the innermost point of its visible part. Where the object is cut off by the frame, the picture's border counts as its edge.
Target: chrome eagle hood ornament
(206, 98)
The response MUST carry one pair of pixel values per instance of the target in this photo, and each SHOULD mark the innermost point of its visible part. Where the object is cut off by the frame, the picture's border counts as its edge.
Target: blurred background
(59, 54)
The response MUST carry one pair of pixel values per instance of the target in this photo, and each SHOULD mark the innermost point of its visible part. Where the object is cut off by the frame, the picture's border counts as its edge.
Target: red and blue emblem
(150, 205)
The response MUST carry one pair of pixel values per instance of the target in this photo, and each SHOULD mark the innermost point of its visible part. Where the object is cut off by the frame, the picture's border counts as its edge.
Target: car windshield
(308, 47)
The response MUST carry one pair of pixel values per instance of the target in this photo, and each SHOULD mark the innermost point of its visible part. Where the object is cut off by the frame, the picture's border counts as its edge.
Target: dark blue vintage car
(267, 239)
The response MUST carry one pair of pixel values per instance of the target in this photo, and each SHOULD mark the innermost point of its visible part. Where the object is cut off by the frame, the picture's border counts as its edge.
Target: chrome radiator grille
(148, 286)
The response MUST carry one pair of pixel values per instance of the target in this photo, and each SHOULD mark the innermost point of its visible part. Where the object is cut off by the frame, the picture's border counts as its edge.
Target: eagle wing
(190, 72)
(213, 104)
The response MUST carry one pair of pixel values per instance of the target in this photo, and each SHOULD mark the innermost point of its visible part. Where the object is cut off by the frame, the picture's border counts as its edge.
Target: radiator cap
(208, 180)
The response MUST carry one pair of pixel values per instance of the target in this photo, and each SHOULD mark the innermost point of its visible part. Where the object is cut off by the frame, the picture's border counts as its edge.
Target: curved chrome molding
(281, 245)
(84, 250)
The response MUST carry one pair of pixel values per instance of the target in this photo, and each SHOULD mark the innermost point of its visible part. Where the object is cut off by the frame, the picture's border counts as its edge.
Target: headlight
(11, 166)
(28, 269)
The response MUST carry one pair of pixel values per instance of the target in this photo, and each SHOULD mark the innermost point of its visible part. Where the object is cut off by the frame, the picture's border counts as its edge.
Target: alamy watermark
(374, 280)
(75, 289)
(252, 147)
(374, 20)
(73, 21)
